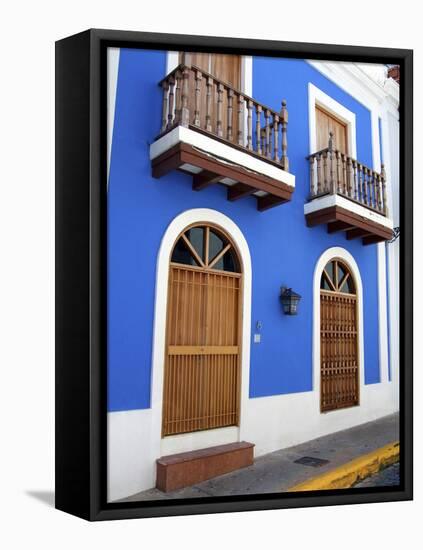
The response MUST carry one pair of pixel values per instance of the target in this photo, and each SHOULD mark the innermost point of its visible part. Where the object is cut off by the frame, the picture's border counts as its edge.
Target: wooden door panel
(187, 309)
(326, 123)
(226, 68)
(338, 350)
(222, 319)
(202, 393)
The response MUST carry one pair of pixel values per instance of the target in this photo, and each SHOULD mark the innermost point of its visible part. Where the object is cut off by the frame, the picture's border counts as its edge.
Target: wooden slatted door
(202, 370)
(339, 385)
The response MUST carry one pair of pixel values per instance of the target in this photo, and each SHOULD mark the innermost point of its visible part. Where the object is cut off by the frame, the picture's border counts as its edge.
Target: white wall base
(198, 440)
(271, 423)
(130, 460)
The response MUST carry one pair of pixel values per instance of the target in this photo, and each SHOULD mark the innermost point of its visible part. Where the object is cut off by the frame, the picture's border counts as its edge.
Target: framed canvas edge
(93, 465)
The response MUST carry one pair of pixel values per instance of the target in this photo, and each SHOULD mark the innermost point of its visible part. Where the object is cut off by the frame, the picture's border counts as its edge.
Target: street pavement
(277, 472)
(388, 477)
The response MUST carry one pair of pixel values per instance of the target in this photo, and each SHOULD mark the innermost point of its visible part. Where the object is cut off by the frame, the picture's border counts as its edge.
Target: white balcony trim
(218, 149)
(337, 200)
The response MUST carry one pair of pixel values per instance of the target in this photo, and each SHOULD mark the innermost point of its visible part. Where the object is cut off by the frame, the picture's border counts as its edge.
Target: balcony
(347, 196)
(220, 135)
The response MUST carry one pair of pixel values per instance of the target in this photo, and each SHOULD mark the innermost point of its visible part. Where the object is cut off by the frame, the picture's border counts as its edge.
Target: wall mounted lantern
(290, 300)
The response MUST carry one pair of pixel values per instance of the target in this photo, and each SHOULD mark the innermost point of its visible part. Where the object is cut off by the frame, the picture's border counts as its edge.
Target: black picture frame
(81, 274)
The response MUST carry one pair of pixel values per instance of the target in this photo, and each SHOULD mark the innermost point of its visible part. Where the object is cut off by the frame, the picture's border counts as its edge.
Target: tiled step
(185, 469)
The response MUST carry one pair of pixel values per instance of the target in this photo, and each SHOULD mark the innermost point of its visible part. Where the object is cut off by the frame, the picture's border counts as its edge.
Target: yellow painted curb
(348, 474)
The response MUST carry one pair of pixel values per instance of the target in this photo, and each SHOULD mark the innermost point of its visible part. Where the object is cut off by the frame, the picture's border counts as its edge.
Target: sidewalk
(278, 471)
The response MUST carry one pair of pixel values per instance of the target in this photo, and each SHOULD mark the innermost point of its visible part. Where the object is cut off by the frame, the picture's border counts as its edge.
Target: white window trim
(317, 97)
(172, 61)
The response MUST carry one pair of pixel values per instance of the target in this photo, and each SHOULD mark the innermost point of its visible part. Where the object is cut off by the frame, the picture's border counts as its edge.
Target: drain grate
(312, 461)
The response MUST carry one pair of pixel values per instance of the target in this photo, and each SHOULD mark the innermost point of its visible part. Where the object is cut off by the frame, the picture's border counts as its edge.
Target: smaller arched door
(339, 369)
(202, 368)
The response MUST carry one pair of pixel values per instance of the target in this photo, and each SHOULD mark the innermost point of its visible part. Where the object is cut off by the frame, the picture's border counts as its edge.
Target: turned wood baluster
(382, 203)
(267, 130)
(178, 99)
(276, 137)
(219, 131)
(209, 86)
(284, 119)
(230, 113)
(375, 199)
(360, 182)
(325, 172)
(338, 172)
(240, 119)
(373, 182)
(344, 173)
(165, 107)
(331, 172)
(384, 197)
(171, 101)
(355, 190)
(311, 160)
(375, 190)
(379, 192)
(263, 141)
(319, 173)
(185, 94)
(198, 78)
(258, 129)
(249, 124)
(370, 187)
(349, 177)
(365, 185)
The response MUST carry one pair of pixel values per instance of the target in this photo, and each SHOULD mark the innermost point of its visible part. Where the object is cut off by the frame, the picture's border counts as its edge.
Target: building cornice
(356, 81)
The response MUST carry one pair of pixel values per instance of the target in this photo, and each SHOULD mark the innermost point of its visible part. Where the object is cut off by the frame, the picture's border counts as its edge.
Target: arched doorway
(339, 363)
(203, 332)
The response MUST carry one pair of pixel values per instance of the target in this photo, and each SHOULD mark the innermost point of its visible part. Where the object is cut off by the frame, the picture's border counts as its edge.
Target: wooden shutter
(223, 67)
(326, 123)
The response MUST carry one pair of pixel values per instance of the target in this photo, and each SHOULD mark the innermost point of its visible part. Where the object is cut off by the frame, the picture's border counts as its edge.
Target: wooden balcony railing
(196, 99)
(333, 172)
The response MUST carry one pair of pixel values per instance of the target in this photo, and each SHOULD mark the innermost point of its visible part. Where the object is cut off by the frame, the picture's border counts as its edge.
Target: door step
(185, 469)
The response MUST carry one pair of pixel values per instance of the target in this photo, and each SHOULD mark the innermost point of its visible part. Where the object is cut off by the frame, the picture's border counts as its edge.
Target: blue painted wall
(140, 208)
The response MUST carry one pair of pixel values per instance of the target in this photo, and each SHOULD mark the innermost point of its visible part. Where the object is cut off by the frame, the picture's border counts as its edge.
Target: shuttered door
(201, 386)
(226, 68)
(338, 341)
(326, 123)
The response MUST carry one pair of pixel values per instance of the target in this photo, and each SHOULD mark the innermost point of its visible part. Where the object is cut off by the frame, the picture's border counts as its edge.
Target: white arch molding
(195, 440)
(342, 254)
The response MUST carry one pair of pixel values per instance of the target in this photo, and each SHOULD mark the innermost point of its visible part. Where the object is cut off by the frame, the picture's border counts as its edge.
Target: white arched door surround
(195, 440)
(330, 254)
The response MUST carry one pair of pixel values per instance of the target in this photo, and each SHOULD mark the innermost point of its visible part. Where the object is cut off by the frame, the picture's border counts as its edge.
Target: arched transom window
(206, 247)
(337, 277)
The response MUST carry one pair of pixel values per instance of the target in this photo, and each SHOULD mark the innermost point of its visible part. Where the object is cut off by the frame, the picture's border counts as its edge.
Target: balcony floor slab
(210, 161)
(356, 221)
